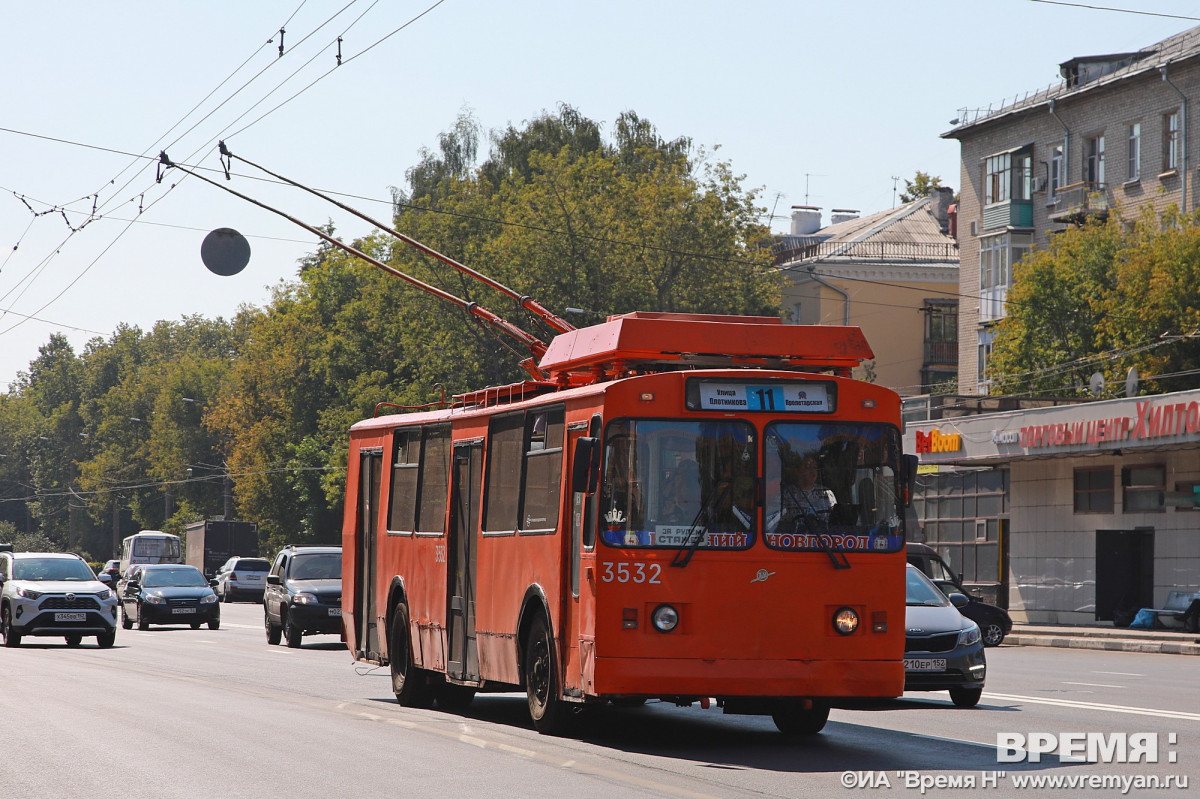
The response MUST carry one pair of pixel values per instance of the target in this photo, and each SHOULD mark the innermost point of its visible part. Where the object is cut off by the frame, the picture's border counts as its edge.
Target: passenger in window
(681, 494)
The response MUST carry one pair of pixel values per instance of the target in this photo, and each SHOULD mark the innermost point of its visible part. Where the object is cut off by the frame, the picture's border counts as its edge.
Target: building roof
(1085, 74)
(910, 232)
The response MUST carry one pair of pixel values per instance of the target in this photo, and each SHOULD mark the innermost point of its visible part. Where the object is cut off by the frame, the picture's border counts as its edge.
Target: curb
(1188, 646)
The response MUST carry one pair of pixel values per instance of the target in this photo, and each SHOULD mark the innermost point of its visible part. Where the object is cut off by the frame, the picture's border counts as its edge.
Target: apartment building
(893, 273)
(1110, 138)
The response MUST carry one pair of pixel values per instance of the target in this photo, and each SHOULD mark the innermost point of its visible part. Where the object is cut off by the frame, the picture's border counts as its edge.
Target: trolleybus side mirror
(585, 469)
(908, 474)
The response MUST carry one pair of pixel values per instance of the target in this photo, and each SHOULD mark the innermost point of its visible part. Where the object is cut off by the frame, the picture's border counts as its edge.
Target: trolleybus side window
(679, 484)
(435, 479)
(504, 451)
(832, 485)
(543, 469)
(406, 467)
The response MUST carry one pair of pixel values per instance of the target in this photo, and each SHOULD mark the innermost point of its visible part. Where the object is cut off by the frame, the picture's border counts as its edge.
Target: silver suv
(54, 594)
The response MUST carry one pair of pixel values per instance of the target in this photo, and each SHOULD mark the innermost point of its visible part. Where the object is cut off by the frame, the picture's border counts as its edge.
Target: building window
(1170, 141)
(1143, 488)
(962, 515)
(1094, 490)
(1189, 492)
(985, 353)
(1135, 152)
(1008, 176)
(1093, 160)
(1058, 176)
(997, 254)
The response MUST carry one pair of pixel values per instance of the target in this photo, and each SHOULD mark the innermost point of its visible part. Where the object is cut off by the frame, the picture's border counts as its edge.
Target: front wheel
(11, 637)
(293, 634)
(993, 634)
(215, 624)
(143, 623)
(74, 640)
(274, 631)
(796, 719)
(965, 697)
(409, 684)
(106, 640)
(551, 716)
(126, 622)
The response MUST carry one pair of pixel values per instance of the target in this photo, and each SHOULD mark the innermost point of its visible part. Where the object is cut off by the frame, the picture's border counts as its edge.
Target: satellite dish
(225, 252)
(1096, 384)
(1131, 382)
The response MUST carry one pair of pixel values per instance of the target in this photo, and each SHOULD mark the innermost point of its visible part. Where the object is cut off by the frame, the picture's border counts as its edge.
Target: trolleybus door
(464, 532)
(370, 469)
(579, 618)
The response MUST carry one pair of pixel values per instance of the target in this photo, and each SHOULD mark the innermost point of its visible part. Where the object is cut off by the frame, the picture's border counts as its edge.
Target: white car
(242, 577)
(54, 594)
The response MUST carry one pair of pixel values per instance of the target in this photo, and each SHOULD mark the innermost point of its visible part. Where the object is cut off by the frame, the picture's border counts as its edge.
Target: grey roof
(910, 232)
(1178, 47)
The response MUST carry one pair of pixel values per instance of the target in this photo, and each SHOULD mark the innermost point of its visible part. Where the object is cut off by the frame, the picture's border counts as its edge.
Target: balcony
(1073, 204)
(941, 353)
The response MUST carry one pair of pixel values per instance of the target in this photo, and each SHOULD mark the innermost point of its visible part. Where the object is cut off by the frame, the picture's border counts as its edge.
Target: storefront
(1073, 514)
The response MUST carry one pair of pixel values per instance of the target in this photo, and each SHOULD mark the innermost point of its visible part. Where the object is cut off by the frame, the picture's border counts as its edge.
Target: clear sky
(817, 103)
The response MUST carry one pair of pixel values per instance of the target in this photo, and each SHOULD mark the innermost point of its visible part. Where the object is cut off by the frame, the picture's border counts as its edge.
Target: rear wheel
(195, 625)
(225, 595)
(105, 640)
(993, 634)
(409, 684)
(11, 638)
(551, 716)
(74, 640)
(796, 719)
(965, 697)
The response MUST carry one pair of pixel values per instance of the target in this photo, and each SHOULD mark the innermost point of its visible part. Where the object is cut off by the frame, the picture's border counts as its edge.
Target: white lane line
(1138, 711)
(1120, 673)
(1092, 684)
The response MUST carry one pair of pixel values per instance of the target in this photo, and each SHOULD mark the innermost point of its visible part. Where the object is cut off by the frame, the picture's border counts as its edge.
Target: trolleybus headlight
(665, 618)
(845, 621)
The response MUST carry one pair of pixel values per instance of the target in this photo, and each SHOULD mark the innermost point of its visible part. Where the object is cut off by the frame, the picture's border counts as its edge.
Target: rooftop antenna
(808, 175)
(895, 180)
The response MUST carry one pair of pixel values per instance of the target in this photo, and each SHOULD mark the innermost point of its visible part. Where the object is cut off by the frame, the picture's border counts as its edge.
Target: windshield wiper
(827, 548)
(696, 533)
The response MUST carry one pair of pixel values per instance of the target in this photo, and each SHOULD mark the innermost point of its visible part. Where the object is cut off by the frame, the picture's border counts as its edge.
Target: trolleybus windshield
(679, 484)
(832, 485)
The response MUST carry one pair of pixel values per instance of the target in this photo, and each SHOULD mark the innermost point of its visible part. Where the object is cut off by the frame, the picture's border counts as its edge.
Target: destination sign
(774, 397)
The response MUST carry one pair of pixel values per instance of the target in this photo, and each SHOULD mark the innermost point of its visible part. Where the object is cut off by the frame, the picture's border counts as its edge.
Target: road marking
(1092, 684)
(1138, 711)
(1120, 673)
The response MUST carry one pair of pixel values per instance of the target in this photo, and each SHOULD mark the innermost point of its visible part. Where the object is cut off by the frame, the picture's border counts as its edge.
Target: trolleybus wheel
(409, 684)
(795, 719)
(965, 697)
(550, 714)
(454, 697)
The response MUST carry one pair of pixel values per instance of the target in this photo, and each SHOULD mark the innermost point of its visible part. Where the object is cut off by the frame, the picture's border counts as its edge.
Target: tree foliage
(1104, 297)
(142, 428)
(919, 187)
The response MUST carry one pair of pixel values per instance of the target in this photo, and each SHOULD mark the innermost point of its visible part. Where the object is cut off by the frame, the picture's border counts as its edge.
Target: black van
(994, 622)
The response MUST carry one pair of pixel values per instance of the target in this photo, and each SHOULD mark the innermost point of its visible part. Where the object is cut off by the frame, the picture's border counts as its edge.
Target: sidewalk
(1120, 639)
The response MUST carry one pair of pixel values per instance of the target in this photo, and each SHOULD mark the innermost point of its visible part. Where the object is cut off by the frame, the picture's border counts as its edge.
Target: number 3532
(650, 573)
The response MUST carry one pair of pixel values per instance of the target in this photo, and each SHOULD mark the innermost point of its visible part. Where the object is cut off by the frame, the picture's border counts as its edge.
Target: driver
(801, 496)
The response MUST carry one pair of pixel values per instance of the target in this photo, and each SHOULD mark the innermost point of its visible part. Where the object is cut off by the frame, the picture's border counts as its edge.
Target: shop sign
(1152, 421)
(937, 441)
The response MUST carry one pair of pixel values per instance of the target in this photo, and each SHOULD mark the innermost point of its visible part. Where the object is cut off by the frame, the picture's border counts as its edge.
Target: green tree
(918, 188)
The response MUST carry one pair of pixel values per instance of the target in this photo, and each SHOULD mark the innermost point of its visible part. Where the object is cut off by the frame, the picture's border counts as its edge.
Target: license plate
(924, 664)
(183, 610)
(70, 617)
(335, 611)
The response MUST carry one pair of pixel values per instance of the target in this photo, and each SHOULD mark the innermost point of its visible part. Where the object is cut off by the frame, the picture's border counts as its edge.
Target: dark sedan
(168, 593)
(994, 622)
(943, 650)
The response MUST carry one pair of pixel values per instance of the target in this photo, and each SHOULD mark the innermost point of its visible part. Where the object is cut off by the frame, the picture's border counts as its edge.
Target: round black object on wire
(225, 252)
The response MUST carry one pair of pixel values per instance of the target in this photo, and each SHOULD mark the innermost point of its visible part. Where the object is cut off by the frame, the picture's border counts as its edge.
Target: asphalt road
(176, 712)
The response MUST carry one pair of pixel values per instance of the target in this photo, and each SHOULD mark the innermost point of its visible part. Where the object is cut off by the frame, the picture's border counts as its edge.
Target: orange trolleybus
(645, 522)
(678, 507)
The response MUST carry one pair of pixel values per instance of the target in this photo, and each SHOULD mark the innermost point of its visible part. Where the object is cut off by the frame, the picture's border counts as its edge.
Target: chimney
(843, 215)
(942, 197)
(806, 220)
